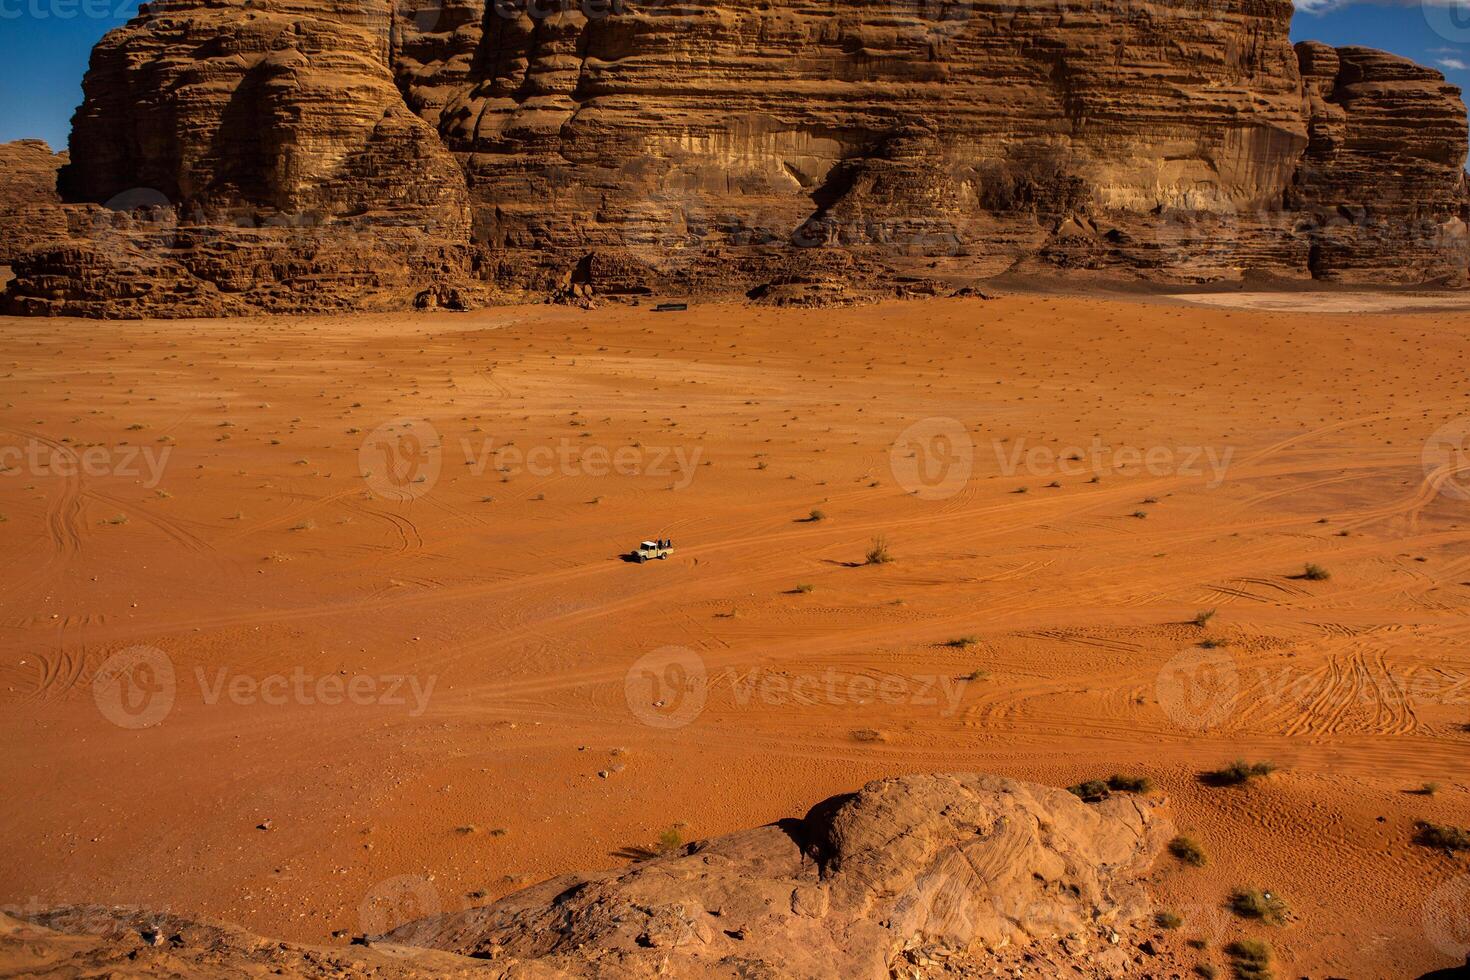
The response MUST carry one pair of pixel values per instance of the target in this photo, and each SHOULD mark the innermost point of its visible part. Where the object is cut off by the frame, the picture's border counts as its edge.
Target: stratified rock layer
(30, 215)
(963, 874)
(700, 147)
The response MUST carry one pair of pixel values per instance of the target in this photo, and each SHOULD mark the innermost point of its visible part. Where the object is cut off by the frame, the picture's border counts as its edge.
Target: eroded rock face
(1382, 180)
(260, 158)
(701, 147)
(963, 860)
(961, 875)
(30, 215)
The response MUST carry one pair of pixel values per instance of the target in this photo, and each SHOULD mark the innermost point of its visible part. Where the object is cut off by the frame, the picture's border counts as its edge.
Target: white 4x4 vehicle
(660, 549)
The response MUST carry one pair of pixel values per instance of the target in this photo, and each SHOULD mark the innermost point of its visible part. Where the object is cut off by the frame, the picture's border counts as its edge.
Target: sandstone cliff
(353, 153)
(30, 215)
(921, 876)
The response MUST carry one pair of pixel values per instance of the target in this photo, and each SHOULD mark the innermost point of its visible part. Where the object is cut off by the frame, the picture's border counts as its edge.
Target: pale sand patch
(1331, 302)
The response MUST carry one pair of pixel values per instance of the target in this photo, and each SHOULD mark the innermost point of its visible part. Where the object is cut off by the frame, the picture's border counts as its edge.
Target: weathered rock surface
(956, 859)
(30, 212)
(937, 875)
(260, 159)
(635, 146)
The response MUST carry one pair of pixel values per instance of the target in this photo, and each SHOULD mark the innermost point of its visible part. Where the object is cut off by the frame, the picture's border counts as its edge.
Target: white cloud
(1453, 64)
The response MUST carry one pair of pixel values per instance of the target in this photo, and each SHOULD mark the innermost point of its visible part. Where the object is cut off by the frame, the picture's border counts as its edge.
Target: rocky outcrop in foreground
(285, 155)
(921, 876)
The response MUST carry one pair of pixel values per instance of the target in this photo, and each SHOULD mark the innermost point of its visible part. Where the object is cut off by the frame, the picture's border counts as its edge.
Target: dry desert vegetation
(320, 625)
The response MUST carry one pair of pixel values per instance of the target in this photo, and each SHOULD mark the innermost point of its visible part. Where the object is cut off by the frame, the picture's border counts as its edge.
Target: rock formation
(922, 875)
(355, 154)
(30, 212)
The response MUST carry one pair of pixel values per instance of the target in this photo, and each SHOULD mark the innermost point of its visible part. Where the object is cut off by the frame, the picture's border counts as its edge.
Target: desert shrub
(1130, 784)
(1203, 616)
(1251, 959)
(1439, 836)
(805, 587)
(1315, 573)
(669, 841)
(1096, 790)
(1253, 903)
(1092, 791)
(962, 642)
(1188, 850)
(1168, 920)
(1239, 772)
(878, 553)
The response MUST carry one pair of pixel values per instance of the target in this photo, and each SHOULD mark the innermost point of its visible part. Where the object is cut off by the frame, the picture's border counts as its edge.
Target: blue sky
(43, 51)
